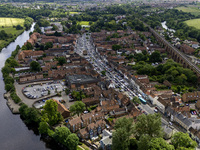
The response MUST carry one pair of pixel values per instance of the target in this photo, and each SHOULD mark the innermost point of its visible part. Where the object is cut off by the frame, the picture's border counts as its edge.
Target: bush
(15, 97)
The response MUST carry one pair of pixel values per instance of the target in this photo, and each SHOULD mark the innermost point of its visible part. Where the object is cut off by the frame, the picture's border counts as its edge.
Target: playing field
(10, 22)
(193, 10)
(83, 22)
(194, 23)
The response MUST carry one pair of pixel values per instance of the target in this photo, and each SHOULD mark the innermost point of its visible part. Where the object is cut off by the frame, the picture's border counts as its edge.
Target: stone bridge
(177, 55)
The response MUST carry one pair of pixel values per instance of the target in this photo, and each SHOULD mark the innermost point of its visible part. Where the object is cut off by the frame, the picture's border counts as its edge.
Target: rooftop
(77, 79)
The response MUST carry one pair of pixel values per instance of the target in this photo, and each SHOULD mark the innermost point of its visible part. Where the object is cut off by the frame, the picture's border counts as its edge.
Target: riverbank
(11, 104)
(5, 43)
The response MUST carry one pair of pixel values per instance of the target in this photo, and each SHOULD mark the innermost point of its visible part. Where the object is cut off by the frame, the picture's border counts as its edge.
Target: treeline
(146, 133)
(4, 35)
(7, 70)
(45, 120)
(28, 22)
(175, 20)
(171, 71)
(16, 12)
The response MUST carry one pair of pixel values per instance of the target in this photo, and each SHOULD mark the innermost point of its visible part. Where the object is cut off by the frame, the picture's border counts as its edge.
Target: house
(162, 103)
(106, 141)
(183, 121)
(187, 49)
(96, 128)
(168, 131)
(197, 105)
(63, 110)
(75, 124)
(192, 96)
(90, 101)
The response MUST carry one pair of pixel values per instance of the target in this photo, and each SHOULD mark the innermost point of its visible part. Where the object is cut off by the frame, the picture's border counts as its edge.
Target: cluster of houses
(106, 102)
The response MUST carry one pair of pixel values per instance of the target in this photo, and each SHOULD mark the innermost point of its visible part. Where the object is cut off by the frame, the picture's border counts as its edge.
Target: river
(14, 134)
(165, 27)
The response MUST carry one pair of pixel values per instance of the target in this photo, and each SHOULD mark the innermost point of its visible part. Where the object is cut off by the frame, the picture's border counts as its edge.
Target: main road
(119, 81)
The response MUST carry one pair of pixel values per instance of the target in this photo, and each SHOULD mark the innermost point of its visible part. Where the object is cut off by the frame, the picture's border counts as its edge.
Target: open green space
(193, 23)
(190, 9)
(73, 12)
(83, 22)
(7, 24)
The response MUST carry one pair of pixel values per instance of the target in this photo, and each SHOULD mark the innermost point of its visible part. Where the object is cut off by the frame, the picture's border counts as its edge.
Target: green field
(10, 22)
(7, 24)
(190, 9)
(193, 23)
(83, 22)
(73, 12)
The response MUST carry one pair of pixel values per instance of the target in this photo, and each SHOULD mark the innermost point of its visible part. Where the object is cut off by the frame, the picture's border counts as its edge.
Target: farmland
(10, 22)
(194, 23)
(190, 9)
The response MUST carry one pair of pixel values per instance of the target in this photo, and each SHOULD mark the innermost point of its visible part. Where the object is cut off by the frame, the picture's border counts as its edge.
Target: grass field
(73, 12)
(7, 24)
(194, 23)
(83, 22)
(190, 9)
(10, 22)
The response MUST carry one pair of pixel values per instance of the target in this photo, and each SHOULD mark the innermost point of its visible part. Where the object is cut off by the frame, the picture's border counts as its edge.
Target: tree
(116, 47)
(67, 91)
(43, 127)
(136, 100)
(77, 108)
(148, 125)
(61, 60)
(50, 113)
(159, 143)
(103, 73)
(120, 139)
(35, 66)
(31, 115)
(61, 134)
(155, 57)
(19, 27)
(182, 140)
(123, 130)
(72, 141)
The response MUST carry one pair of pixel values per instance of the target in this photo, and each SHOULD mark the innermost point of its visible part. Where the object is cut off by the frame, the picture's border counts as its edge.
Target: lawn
(10, 22)
(193, 10)
(194, 23)
(83, 22)
(73, 12)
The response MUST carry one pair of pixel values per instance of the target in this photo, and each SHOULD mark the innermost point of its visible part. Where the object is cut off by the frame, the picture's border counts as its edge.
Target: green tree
(30, 115)
(35, 66)
(116, 47)
(72, 141)
(43, 127)
(159, 143)
(120, 139)
(155, 57)
(61, 134)
(148, 125)
(50, 113)
(182, 140)
(77, 108)
(103, 73)
(67, 91)
(136, 100)
(61, 60)
(123, 130)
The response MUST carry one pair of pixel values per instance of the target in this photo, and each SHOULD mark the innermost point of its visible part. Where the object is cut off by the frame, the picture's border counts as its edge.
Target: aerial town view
(99, 75)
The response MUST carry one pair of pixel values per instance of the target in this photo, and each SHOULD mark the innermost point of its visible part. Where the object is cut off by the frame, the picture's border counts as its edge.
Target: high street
(118, 80)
